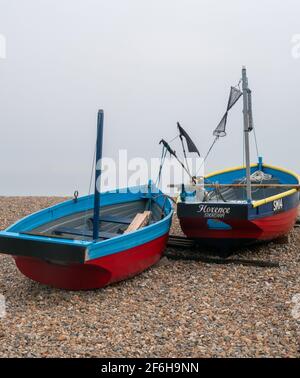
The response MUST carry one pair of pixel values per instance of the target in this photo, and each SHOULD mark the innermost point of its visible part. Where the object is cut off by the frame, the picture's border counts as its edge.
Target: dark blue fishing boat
(92, 241)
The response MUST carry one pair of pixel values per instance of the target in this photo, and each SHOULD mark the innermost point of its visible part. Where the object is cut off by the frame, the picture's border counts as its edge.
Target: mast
(98, 174)
(246, 132)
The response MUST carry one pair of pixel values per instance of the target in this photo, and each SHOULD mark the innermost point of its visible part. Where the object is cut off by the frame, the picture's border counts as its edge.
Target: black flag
(190, 144)
(234, 96)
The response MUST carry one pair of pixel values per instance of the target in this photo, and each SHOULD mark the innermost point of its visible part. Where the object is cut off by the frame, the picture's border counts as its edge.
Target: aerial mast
(247, 130)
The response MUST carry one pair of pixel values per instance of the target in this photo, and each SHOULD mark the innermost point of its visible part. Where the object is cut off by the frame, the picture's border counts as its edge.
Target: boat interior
(231, 194)
(114, 220)
(267, 181)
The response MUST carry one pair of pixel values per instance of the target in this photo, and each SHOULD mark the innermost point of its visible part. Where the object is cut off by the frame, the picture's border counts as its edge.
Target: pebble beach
(174, 309)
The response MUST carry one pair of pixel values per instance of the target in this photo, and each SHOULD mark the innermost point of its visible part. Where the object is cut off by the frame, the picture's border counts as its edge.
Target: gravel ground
(175, 309)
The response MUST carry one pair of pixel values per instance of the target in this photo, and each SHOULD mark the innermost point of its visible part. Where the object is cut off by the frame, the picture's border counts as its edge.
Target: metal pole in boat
(246, 132)
(98, 174)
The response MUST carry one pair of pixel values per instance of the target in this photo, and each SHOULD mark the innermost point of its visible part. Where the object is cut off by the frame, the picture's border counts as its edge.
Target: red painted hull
(262, 229)
(96, 273)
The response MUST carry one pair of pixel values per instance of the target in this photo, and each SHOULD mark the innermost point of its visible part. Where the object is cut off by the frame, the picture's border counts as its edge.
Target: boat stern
(43, 248)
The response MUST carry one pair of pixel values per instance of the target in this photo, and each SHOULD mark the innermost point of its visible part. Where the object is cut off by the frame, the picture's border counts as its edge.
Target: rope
(207, 154)
(172, 140)
(185, 156)
(90, 186)
(256, 144)
(92, 171)
(162, 160)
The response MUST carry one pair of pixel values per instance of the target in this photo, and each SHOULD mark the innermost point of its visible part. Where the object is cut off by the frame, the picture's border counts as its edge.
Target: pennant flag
(190, 144)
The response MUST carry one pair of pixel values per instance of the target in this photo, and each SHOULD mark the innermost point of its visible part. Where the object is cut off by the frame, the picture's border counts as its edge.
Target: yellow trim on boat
(229, 170)
(274, 198)
(254, 165)
(283, 170)
(268, 199)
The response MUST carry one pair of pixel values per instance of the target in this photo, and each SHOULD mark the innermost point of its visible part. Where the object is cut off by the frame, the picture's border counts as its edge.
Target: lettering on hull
(213, 211)
(278, 205)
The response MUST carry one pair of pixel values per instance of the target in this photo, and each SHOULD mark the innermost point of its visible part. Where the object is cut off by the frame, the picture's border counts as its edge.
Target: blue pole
(260, 163)
(98, 174)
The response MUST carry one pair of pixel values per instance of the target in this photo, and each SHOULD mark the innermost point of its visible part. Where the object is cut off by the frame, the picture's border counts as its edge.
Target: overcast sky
(148, 64)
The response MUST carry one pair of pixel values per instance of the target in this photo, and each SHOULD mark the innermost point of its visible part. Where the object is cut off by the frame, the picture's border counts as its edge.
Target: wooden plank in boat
(139, 221)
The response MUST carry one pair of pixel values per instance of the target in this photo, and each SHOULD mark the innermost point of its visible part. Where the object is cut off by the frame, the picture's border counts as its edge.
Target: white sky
(148, 64)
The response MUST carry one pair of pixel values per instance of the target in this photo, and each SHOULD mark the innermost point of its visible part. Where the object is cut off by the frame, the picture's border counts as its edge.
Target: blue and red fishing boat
(92, 241)
(241, 205)
(226, 218)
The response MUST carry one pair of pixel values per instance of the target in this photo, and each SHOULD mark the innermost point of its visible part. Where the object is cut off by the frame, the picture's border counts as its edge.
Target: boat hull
(242, 232)
(96, 273)
(55, 246)
(230, 222)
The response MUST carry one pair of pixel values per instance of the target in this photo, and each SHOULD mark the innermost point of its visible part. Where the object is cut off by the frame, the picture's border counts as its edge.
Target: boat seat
(113, 219)
(59, 232)
(236, 193)
(86, 233)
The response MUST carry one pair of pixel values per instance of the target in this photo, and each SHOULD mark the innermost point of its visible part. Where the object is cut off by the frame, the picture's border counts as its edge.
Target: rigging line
(256, 144)
(160, 166)
(92, 171)
(90, 185)
(184, 153)
(207, 154)
(173, 153)
(162, 160)
(172, 140)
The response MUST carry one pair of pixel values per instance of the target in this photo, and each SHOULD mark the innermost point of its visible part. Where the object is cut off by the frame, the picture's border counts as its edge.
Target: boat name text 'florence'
(214, 212)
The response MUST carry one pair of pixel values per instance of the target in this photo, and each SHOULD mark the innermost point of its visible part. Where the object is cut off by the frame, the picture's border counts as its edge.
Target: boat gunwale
(269, 199)
(151, 231)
